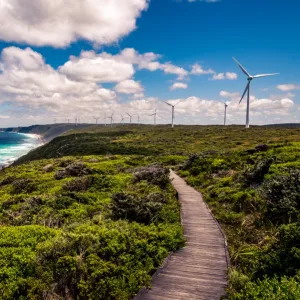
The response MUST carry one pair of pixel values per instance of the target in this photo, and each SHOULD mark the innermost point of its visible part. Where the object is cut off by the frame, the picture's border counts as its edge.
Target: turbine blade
(242, 68)
(265, 75)
(177, 103)
(168, 103)
(247, 87)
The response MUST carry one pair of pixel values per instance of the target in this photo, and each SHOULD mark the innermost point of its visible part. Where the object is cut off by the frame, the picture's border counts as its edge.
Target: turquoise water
(14, 145)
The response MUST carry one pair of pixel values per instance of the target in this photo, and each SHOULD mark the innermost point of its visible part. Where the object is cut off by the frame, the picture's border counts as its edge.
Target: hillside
(158, 140)
(249, 178)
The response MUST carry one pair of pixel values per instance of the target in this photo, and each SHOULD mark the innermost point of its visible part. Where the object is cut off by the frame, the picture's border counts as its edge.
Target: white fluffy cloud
(92, 67)
(199, 70)
(227, 75)
(129, 87)
(26, 81)
(148, 61)
(58, 23)
(178, 85)
(288, 87)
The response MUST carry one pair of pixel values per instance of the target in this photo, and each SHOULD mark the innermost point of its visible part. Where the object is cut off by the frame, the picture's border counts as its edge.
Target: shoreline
(39, 144)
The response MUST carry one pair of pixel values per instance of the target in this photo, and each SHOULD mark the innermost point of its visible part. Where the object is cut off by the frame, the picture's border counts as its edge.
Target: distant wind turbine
(68, 120)
(96, 118)
(250, 78)
(122, 120)
(111, 119)
(225, 113)
(154, 117)
(130, 116)
(173, 109)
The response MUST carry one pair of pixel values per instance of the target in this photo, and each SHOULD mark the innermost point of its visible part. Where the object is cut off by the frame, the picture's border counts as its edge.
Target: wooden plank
(200, 269)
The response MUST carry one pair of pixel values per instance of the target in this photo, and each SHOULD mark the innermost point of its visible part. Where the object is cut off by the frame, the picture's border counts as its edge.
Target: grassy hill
(250, 179)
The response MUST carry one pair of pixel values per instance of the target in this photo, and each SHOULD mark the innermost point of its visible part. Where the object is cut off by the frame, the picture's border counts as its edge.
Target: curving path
(199, 270)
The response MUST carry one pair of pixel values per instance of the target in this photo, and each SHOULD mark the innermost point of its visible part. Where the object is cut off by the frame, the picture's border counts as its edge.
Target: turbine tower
(250, 78)
(225, 113)
(173, 109)
(111, 119)
(154, 117)
(96, 119)
(122, 120)
(130, 116)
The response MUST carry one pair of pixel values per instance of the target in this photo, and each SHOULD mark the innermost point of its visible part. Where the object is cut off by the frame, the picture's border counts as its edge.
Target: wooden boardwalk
(199, 270)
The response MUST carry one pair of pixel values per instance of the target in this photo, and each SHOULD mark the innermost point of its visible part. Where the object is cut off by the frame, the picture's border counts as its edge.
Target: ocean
(14, 145)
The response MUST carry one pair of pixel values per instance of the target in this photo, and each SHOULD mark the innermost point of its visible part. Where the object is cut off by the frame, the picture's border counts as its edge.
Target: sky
(62, 60)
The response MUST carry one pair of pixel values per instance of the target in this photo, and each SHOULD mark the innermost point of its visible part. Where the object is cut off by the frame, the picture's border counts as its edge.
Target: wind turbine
(130, 116)
(225, 113)
(250, 78)
(68, 120)
(111, 119)
(105, 119)
(173, 109)
(96, 119)
(122, 120)
(154, 117)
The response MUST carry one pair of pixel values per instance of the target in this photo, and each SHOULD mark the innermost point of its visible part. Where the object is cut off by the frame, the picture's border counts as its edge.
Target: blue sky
(180, 35)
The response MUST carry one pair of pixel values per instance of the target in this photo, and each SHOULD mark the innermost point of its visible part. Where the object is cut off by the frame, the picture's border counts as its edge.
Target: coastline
(39, 144)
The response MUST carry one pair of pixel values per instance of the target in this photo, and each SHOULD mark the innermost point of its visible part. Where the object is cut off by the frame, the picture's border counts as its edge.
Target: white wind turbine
(154, 117)
(173, 109)
(122, 120)
(250, 78)
(130, 116)
(111, 119)
(225, 113)
(96, 119)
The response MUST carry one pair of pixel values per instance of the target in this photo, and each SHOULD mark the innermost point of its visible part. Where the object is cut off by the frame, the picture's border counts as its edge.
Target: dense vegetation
(111, 218)
(255, 194)
(85, 227)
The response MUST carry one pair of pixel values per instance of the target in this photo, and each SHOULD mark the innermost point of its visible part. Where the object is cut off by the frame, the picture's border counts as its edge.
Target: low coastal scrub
(255, 195)
(99, 231)
(75, 226)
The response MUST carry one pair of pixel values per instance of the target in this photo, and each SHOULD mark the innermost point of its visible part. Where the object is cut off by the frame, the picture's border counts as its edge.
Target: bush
(77, 169)
(282, 194)
(23, 186)
(257, 174)
(155, 174)
(133, 208)
(60, 174)
(7, 180)
(189, 162)
(262, 147)
(78, 184)
(272, 289)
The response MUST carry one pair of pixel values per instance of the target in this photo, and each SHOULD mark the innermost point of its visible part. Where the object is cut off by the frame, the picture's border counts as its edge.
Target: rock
(48, 168)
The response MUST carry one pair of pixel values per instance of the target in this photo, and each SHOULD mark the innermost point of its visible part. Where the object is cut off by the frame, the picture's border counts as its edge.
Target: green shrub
(257, 174)
(134, 208)
(23, 186)
(286, 288)
(154, 174)
(78, 184)
(282, 194)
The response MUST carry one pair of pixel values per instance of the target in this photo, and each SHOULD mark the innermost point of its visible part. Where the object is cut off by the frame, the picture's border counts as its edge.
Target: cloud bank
(58, 23)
